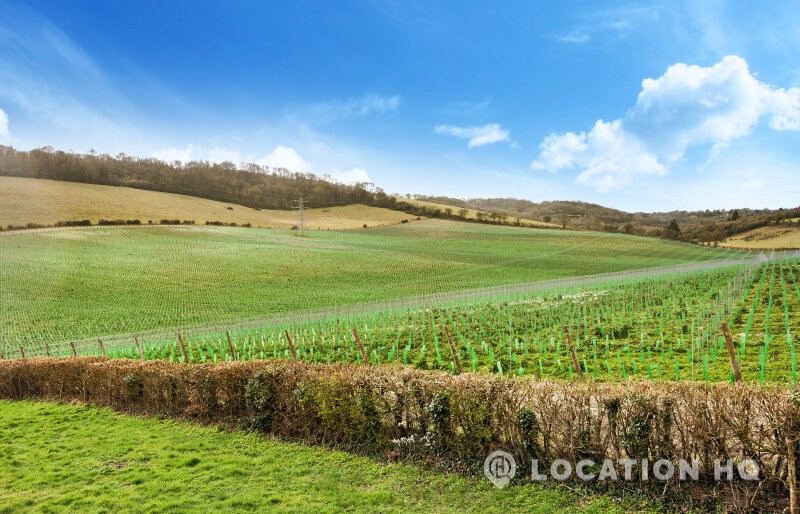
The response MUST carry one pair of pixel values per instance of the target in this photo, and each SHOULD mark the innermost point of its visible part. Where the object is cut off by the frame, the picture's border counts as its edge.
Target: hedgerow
(449, 420)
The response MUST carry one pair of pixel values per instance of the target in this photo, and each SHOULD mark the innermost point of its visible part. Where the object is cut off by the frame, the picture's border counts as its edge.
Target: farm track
(118, 340)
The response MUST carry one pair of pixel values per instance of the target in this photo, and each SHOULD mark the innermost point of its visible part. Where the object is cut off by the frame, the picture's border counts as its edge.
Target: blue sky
(640, 106)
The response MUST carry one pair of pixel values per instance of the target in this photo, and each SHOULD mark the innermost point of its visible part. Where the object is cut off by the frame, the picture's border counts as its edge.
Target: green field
(662, 328)
(60, 457)
(70, 284)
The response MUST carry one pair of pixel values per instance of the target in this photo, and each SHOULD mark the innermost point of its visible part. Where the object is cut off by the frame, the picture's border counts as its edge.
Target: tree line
(251, 185)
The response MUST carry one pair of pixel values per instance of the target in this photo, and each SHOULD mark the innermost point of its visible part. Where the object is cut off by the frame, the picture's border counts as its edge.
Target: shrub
(76, 223)
(135, 386)
(529, 429)
(260, 399)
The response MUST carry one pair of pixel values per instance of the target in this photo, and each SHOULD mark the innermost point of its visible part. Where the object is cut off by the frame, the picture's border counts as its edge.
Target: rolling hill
(46, 202)
(475, 214)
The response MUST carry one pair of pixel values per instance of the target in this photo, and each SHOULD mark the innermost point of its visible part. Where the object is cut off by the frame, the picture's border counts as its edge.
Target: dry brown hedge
(453, 420)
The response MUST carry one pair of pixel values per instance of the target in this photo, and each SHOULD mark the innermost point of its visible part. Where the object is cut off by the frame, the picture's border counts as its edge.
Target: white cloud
(606, 156)
(172, 154)
(560, 151)
(220, 154)
(352, 176)
(573, 36)
(619, 21)
(197, 153)
(3, 124)
(280, 157)
(478, 136)
(692, 105)
(687, 106)
(324, 112)
(284, 157)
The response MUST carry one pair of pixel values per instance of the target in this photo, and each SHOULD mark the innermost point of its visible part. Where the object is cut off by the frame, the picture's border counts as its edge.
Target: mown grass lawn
(58, 457)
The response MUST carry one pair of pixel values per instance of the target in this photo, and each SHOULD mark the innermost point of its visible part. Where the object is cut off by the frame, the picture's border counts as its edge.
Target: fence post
(183, 347)
(139, 347)
(230, 345)
(454, 350)
(102, 348)
(22, 350)
(47, 349)
(291, 344)
(74, 353)
(574, 355)
(791, 464)
(361, 346)
(731, 352)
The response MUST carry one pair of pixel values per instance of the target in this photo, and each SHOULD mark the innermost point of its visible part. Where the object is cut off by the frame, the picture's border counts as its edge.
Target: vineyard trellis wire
(89, 345)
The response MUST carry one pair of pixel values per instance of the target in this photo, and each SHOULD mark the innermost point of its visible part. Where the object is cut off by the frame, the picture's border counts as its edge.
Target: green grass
(77, 283)
(58, 457)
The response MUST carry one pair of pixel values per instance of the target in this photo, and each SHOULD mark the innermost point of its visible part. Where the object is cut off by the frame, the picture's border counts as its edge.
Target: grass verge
(58, 457)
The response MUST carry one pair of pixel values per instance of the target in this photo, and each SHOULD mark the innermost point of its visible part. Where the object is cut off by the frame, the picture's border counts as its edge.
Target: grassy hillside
(45, 202)
(578, 212)
(472, 214)
(766, 238)
(61, 284)
(695, 225)
(85, 459)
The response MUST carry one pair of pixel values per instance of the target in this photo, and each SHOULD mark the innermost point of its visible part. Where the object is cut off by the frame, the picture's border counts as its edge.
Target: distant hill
(536, 211)
(260, 187)
(466, 213)
(249, 185)
(697, 226)
(47, 202)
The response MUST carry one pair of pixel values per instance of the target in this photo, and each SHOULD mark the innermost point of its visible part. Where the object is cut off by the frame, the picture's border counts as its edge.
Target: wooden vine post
(22, 351)
(230, 345)
(183, 347)
(291, 345)
(47, 349)
(731, 351)
(74, 353)
(791, 464)
(139, 347)
(453, 348)
(102, 348)
(360, 346)
(574, 355)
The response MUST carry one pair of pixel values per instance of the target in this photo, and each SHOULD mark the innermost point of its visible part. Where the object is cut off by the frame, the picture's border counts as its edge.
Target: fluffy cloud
(284, 157)
(172, 154)
(607, 156)
(280, 157)
(197, 153)
(353, 176)
(3, 123)
(478, 136)
(689, 105)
